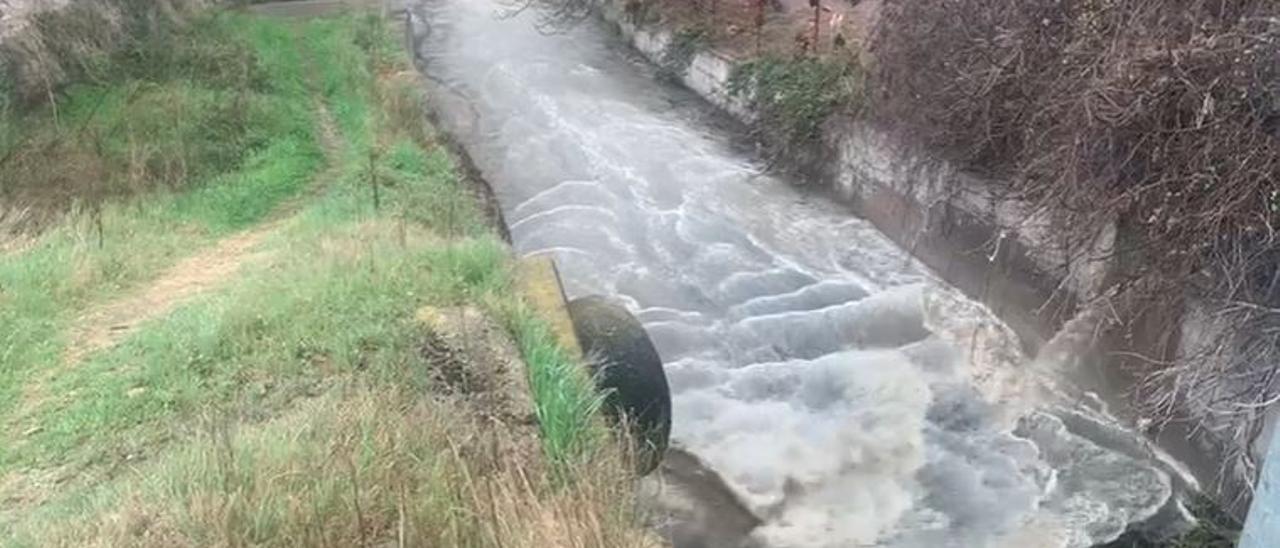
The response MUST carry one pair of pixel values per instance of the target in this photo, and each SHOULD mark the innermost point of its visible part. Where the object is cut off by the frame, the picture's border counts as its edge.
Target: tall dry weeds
(366, 469)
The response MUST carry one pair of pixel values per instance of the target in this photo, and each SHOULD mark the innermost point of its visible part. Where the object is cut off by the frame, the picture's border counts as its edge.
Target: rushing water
(843, 392)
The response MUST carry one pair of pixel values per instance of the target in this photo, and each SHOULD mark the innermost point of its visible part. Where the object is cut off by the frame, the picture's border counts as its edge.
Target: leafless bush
(553, 15)
(56, 46)
(1161, 115)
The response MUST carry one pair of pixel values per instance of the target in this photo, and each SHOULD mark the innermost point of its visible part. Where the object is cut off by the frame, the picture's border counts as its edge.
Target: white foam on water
(817, 367)
(832, 451)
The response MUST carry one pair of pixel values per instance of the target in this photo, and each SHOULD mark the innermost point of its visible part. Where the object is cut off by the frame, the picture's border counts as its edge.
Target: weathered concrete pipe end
(621, 358)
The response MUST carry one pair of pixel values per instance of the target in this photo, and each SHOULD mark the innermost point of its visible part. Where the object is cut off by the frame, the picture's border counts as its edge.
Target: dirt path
(103, 326)
(106, 325)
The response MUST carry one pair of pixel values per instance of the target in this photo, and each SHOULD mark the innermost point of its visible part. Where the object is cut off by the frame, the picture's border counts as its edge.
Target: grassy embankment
(288, 401)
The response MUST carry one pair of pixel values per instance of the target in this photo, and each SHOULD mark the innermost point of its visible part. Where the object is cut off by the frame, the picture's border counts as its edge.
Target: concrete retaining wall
(997, 250)
(1009, 255)
(1262, 529)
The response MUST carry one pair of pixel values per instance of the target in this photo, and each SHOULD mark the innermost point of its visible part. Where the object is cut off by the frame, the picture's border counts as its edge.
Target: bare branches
(1162, 115)
(554, 16)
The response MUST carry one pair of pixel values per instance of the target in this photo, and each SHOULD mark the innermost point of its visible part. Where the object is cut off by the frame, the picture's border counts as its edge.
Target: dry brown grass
(399, 96)
(360, 466)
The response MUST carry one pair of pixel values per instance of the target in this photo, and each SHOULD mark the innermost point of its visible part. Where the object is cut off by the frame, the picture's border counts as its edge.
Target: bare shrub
(59, 45)
(1160, 115)
(553, 15)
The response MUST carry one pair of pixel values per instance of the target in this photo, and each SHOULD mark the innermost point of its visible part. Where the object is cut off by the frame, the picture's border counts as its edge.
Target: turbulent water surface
(847, 396)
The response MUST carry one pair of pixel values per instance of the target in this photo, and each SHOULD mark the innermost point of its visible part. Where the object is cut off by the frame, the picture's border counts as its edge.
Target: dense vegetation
(1158, 115)
(165, 112)
(794, 97)
(291, 401)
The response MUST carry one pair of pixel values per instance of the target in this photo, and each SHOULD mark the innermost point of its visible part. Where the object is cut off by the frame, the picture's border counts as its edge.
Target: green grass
(105, 247)
(341, 290)
(797, 95)
(249, 415)
(175, 110)
(567, 402)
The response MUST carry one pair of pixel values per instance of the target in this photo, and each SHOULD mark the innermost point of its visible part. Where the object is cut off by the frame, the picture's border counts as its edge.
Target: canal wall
(1262, 529)
(999, 250)
(1004, 252)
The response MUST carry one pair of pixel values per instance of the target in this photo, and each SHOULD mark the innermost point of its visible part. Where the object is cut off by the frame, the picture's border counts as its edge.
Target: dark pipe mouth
(629, 372)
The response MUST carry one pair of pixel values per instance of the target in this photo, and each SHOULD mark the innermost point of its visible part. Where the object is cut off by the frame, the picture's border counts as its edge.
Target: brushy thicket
(795, 96)
(295, 403)
(1160, 115)
(57, 46)
(171, 109)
